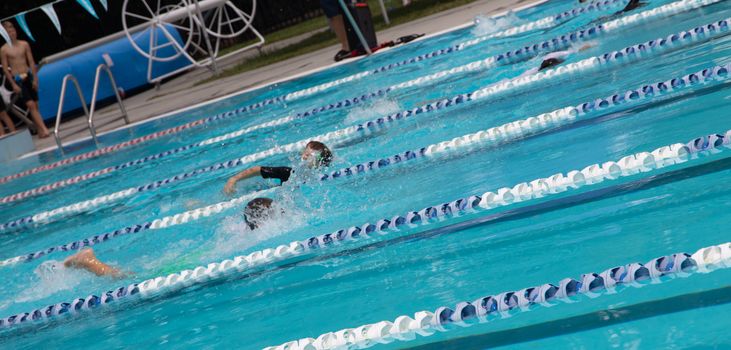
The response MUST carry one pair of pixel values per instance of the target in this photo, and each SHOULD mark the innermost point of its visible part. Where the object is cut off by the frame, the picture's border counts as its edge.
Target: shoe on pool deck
(341, 55)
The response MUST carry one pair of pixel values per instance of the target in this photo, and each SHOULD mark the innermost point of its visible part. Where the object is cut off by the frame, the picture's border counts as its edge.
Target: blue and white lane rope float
(524, 53)
(165, 222)
(663, 157)
(558, 43)
(506, 304)
(629, 20)
(505, 133)
(223, 115)
(543, 23)
(642, 50)
(519, 129)
(677, 7)
(214, 140)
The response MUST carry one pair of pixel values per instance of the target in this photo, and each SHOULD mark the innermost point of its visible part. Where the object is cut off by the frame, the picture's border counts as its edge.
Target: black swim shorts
(331, 8)
(27, 92)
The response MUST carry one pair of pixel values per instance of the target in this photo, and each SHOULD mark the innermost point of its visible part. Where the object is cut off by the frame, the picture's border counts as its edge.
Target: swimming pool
(443, 191)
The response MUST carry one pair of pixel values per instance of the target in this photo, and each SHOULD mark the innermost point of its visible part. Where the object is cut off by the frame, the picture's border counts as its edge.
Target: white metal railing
(88, 111)
(79, 93)
(92, 109)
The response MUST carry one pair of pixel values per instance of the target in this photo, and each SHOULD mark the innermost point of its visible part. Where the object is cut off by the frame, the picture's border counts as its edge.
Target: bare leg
(6, 119)
(338, 26)
(36, 117)
(86, 260)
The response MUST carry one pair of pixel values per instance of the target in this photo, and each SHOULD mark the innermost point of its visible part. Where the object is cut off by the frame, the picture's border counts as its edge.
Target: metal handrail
(66, 79)
(99, 69)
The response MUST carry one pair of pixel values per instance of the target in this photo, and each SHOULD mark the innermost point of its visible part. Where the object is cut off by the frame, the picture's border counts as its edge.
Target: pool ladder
(89, 112)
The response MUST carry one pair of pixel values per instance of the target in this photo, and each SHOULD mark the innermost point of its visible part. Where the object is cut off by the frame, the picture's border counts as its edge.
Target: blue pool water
(664, 211)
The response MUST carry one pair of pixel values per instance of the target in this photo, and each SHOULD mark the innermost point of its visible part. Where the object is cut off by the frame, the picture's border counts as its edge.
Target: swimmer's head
(550, 63)
(10, 28)
(316, 154)
(257, 211)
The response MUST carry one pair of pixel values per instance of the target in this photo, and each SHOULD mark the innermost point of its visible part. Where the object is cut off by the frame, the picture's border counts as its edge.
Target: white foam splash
(372, 110)
(485, 25)
(234, 236)
(52, 277)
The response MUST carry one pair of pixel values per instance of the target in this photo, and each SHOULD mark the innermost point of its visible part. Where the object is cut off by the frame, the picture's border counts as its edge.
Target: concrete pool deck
(182, 91)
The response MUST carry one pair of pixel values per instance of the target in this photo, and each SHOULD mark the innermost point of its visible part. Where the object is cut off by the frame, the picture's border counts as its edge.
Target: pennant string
(20, 18)
(51, 13)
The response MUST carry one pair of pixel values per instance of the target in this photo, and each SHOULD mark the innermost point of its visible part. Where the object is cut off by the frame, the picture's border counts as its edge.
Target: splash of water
(234, 236)
(485, 25)
(51, 277)
(372, 110)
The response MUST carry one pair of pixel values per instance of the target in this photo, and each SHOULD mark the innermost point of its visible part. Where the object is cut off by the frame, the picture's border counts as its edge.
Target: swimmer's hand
(230, 187)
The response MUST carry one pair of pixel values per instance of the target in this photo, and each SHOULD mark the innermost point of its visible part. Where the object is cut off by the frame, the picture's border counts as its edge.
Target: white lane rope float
(164, 222)
(505, 133)
(527, 52)
(639, 51)
(663, 157)
(543, 23)
(492, 308)
(508, 132)
(522, 128)
(270, 101)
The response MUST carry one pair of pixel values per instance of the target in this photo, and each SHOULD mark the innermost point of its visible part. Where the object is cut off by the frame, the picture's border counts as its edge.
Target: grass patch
(398, 15)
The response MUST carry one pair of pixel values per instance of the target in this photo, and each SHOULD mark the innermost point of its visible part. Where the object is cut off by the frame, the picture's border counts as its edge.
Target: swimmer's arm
(96, 267)
(248, 173)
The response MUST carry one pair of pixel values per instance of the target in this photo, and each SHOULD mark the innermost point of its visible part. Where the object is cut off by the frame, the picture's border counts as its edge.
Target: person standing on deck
(17, 58)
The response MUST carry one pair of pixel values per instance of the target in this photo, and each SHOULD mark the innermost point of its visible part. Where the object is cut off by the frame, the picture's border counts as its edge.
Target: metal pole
(361, 38)
(384, 13)
(205, 36)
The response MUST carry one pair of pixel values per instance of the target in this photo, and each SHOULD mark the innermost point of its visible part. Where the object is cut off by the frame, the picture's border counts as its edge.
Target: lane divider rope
(560, 42)
(504, 133)
(165, 222)
(306, 92)
(524, 53)
(639, 51)
(136, 141)
(522, 128)
(499, 306)
(631, 165)
(542, 23)
(610, 26)
(214, 140)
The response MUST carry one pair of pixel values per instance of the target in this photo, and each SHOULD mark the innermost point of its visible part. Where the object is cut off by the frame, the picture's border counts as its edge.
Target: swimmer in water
(631, 5)
(257, 211)
(316, 154)
(554, 59)
(86, 260)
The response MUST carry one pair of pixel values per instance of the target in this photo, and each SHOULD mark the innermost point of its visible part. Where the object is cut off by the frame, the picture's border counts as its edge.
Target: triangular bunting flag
(24, 25)
(5, 35)
(104, 3)
(51, 13)
(86, 4)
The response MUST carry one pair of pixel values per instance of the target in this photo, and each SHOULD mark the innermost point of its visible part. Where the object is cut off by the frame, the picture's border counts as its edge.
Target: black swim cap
(255, 210)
